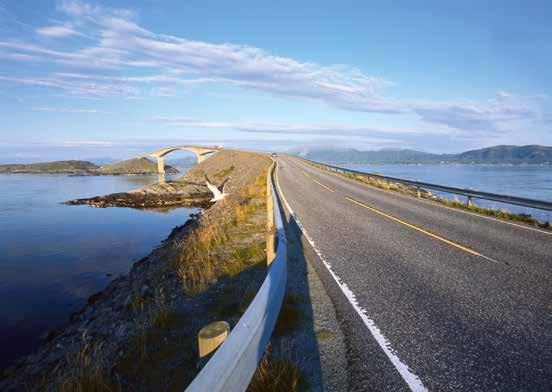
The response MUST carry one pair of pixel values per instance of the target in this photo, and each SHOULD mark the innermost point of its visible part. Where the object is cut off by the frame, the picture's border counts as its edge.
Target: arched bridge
(201, 153)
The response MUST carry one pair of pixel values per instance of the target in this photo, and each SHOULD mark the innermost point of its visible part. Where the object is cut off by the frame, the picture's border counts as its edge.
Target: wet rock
(145, 291)
(128, 301)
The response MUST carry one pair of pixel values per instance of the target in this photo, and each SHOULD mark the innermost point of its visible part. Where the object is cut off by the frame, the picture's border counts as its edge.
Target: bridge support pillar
(161, 165)
(470, 202)
(419, 193)
(200, 158)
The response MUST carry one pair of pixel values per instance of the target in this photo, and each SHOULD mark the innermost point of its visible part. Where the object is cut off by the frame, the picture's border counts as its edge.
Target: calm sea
(54, 256)
(533, 182)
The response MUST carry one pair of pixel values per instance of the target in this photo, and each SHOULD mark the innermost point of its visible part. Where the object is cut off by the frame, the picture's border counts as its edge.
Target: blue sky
(89, 79)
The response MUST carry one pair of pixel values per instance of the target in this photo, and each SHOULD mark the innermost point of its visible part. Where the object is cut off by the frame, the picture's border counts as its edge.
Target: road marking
(433, 203)
(411, 379)
(322, 185)
(318, 182)
(423, 231)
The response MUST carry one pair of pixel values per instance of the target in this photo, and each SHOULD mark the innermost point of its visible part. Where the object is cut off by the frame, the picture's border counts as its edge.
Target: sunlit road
(430, 298)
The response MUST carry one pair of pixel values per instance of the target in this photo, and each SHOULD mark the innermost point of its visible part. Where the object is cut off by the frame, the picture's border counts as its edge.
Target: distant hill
(380, 156)
(50, 167)
(532, 154)
(130, 166)
(134, 166)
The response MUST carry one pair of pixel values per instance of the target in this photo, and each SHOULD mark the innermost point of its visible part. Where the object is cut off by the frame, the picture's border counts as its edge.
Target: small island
(135, 166)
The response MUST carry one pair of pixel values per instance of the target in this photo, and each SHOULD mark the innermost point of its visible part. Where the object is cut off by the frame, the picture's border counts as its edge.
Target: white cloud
(87, 143)
(292, 128)
(118, 44)
(57, 31)
(69, 110)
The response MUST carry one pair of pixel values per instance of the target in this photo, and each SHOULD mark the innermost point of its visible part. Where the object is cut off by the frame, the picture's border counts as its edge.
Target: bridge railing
(234, 363)
(470, 193)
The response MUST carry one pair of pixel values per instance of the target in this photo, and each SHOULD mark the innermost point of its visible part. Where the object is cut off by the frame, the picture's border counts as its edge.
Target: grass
(165, 347)
(281, 374)
(324, 335)
(455, 203)
(233, 301)
(209, 251)
(502, 214)
(169, 363)
(86, 371)
(291, 316)
(224, 173)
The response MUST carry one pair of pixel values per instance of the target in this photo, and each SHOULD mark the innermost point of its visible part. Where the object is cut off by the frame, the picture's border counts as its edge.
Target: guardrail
(470, 193)
(234, 363)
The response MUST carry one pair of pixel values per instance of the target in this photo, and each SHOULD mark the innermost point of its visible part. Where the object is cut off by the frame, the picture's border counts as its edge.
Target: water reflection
(53, 256)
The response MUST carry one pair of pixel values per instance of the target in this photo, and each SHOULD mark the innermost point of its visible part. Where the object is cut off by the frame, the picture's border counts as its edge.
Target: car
(273, 155)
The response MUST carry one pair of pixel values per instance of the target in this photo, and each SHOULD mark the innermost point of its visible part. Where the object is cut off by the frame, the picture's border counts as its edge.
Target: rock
(145, 291)
(128, 301)
(121, 331)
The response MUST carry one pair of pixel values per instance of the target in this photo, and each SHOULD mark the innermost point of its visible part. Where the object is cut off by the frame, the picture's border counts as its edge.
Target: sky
(104, 79)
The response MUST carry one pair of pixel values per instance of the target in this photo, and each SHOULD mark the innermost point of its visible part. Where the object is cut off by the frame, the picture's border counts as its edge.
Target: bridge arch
(201, 153)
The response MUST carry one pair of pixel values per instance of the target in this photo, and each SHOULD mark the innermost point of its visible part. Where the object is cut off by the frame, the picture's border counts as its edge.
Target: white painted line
(433, 203)
(411, 379)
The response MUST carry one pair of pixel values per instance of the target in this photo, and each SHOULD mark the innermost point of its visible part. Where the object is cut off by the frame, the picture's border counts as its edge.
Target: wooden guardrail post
(211, 336)
(270, 240)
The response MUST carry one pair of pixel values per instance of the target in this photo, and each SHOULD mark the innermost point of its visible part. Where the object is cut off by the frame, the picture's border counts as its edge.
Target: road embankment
(141, 331)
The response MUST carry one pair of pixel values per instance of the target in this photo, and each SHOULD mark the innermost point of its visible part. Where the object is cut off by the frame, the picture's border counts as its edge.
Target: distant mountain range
(516, 155)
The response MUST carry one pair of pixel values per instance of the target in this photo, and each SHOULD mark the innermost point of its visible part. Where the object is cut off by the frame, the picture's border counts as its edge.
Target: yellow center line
(322, 185)
(319, 183)
(437, 237)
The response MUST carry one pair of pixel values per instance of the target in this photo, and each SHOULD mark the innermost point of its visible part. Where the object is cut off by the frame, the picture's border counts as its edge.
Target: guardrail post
(211, 337)
(270, 241)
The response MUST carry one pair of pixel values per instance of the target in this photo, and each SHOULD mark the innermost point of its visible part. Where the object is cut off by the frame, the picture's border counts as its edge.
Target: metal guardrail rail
(470, 193)
(234, 363)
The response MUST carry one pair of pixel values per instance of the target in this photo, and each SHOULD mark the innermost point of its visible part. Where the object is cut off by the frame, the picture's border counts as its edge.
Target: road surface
(429, 298)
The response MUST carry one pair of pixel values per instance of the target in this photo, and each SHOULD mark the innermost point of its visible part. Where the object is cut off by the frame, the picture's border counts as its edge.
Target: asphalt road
(428, 297)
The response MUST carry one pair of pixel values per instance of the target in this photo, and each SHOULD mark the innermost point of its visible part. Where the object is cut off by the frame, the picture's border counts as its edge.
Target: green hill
(50, 167)
(531, 154)
(508, 154)
(134, 166)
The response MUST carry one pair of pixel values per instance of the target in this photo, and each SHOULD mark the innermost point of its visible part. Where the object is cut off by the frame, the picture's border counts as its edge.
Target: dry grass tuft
(87, 373)
(277, 375)
(291, 316)
(198, 258)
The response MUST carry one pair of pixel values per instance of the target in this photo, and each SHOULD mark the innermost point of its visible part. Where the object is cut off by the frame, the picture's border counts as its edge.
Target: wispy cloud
(117, 45)
(87, 143)
(291, 128)
(57, 31)
(69, 110)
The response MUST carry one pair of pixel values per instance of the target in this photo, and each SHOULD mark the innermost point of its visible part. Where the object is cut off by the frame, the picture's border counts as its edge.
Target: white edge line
(434, 203)
(411, 379)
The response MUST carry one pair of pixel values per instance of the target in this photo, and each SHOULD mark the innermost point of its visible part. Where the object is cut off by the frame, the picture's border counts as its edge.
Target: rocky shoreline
(103, 338)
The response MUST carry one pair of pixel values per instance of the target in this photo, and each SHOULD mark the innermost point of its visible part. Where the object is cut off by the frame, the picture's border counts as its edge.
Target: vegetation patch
(216, 248)
(455, 203)
(278, 374)
(291, 316)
